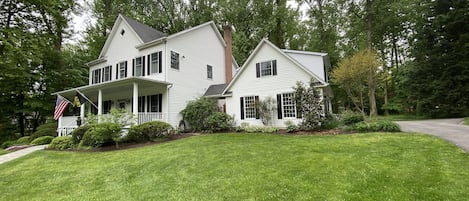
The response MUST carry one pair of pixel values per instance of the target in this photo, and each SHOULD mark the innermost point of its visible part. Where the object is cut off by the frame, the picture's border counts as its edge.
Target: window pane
(154, 103)
(209, 72)
(174, 60)
(250, 107)
(266, 68)
(289, 106)
(154, 63)
(122, 70)
(138, 66)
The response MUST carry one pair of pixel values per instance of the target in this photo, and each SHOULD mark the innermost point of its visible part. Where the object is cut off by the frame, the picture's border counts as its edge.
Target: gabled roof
(144, 32)
(215, 90)
(257, 49)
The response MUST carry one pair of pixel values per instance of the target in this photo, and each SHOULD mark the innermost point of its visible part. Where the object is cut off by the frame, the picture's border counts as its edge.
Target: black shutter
(274, 67)
(279, 106)
(143, 65)
(258, 70)
(110, 72)
(125, 69)
(160, 102)
(242, 107)
(148, 103)
(160, 69)
(256, 104)
(117, 71)
(133, 67)
(149, 64)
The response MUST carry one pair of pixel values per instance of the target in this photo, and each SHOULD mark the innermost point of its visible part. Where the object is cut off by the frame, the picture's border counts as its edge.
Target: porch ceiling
(112, 86)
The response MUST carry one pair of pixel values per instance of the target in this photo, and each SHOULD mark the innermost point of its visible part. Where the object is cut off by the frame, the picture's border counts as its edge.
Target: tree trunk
(371, 77)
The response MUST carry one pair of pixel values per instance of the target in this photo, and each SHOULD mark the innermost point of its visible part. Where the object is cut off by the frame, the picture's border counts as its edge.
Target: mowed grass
(2, 151)
(373, 166)
(466, 121)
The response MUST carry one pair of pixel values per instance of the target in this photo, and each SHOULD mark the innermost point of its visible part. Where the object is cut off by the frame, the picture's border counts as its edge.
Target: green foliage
(378, 125)
(24, 140)
(42, 140)
(101, 134)
(291, 127)
(330, 122)
(266, 108)
(61, 143)
(197, 111)
(466, 121)
(148, 131)
(77, 134)
(219, 121)
(350, 117)
(309, 105)
(47, 129)
(8, 143)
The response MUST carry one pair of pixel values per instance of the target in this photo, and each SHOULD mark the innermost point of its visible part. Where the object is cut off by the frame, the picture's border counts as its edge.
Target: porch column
(135, 100)
(100, 102)
(82, 113)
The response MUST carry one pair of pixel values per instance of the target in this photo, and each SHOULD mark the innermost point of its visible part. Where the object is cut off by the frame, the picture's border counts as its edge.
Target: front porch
(145, 99)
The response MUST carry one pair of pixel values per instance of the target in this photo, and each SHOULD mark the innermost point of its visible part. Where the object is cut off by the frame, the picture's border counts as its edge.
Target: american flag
(60, 106)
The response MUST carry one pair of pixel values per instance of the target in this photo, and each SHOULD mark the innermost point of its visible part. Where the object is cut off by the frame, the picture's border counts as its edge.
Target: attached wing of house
(151, 74)
(272, 72)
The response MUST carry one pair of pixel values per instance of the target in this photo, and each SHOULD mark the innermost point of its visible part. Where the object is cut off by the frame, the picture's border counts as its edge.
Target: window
(138, 70)
(141, 104)
(122, 66)
(174, 60)
(286, 106)
(155, 63)
(107, 106)
(122, 32)
(209, 72)
(155, 103)
(107, 71)
(96, 76)
(266, 68)
(248, 107)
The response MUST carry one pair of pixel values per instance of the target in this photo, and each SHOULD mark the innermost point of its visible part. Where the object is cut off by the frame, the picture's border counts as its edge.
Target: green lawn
(249, 167)
(2, 151)
(466, 121)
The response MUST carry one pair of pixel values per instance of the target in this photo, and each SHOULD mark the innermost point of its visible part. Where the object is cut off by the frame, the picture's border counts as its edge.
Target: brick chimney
(228, 54)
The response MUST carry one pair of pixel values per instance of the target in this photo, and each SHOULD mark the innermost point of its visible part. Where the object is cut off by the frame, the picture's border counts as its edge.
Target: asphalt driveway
(449, 129)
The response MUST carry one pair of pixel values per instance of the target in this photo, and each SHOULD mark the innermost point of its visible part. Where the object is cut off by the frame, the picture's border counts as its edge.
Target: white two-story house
(151, 74)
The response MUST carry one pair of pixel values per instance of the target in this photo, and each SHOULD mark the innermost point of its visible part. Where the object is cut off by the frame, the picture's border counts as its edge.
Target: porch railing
(69, 123)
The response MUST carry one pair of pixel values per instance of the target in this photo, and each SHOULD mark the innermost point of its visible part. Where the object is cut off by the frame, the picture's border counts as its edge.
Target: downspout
(167, 101)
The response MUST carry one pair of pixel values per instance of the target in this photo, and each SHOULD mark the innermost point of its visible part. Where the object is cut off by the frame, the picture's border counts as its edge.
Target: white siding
(197, 49)
(247, 84)
(314, 63)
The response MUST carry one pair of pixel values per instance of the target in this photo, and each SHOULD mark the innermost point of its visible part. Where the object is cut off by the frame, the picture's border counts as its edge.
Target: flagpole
(83, 95)
(70, 102)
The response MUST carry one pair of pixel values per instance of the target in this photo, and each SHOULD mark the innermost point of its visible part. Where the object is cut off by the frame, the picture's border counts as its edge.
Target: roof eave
(151, 43)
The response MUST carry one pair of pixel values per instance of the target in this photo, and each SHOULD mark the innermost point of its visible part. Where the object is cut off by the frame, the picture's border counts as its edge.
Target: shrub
(42, 140)
(291, 127)
(380, 125)
(77, 134)
(47, 129)
(219, 121)
(350, 118)
(61, 143)
(24, 140)
(9, 143)
(148, 131)
(196, 112)
(101, 134)
(259, 129)
(330, 122)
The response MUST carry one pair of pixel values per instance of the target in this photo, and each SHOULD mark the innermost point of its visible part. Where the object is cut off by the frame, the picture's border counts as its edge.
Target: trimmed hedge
(350, 118)
(379, 125)
(61, 143)
(219, 121)
(77, 134)
(101, 134)
(148, 131)
(24, 140)
(42, 140)
(47, 129)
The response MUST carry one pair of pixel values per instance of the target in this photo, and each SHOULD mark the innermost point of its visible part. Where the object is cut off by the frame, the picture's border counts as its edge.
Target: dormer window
(122, 32)
(266, 68)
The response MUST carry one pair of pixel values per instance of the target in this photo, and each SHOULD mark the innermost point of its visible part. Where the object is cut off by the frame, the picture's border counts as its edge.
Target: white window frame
(175, 60)
(209, 72)
(266, 68)
(122, 69)
(288, 106)
(139, 66)
(107, 73)
(96, 76)
(250, 107)
(154, 63)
